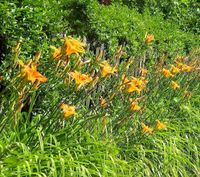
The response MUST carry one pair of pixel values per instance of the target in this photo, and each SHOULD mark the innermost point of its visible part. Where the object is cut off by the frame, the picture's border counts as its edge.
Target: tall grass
(86, 115)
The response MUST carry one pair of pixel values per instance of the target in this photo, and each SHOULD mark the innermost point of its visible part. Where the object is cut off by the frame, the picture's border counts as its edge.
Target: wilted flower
(30, 72)
(19, 107)
(174, 85)
(149, 38)
(167, 73)
(16, 49)
(180, 58)
(104, 121)
(160, 125)
(37, 56)
(106, 69)
(80, 79)
(179, 65)
(129, 62)
(94, 82)
(103, 102)
(68, 110)
(123, 82)
(187, 94)
(57, 52)
(146, 129)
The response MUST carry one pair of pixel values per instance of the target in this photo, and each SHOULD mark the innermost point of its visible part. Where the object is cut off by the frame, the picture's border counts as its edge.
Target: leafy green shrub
(33, 23)
(112, 25)
(117, 24)
(184, 13)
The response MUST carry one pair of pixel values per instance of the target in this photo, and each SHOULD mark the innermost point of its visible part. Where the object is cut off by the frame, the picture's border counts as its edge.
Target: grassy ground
(173, 152)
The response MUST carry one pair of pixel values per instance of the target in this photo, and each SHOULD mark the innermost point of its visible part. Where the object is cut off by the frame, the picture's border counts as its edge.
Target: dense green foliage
(37, 23)
(36, 139)
(33, 23)
(129, 27)
(183, 13)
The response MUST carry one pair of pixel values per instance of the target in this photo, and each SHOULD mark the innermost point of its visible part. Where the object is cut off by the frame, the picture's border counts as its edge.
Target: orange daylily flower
(149, 38)
(80, 79)
(133, 88)
(186, 68)
(146, 129)
(73, 46)
(136, 84)
(144, 72)
(174, 69)
(30, 72)
(68, 110)
(160, 125)
(134, 106)
(174, 85)
(106, 69)
(167, 73)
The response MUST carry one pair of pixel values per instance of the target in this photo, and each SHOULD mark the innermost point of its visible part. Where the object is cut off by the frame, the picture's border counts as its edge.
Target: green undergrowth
(171, 152)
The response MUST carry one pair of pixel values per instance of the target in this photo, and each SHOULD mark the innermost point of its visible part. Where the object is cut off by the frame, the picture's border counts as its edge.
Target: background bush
(184, 13)
(123, 23)
(34, 23)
